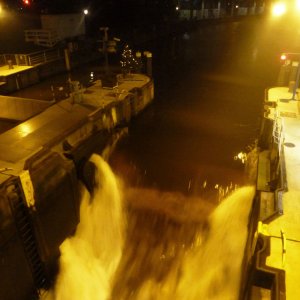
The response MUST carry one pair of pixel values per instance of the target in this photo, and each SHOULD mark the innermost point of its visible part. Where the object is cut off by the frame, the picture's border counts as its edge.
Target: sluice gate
(42, 162)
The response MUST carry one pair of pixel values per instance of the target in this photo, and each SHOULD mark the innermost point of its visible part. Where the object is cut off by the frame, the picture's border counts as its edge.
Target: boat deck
(284, 231)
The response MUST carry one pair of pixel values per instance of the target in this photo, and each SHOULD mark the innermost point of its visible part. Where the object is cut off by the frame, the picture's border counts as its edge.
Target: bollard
(138, 56)
(148, 63)
(10, 64)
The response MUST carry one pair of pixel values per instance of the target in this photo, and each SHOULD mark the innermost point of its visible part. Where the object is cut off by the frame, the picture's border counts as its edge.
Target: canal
(182, 240)
(207, 109)
(178, 163)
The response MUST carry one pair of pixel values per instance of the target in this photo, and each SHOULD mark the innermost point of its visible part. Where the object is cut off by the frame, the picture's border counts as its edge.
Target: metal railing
(32, 59)
(278, 132)
(42, 37)
(42, 57)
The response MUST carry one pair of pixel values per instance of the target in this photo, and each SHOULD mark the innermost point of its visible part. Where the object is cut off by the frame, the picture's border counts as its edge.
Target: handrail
(33, 58)
(278, 131)
(43, 37)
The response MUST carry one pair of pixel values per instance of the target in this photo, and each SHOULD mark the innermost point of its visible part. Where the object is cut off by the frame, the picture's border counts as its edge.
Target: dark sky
(116, 11)
(73, 5)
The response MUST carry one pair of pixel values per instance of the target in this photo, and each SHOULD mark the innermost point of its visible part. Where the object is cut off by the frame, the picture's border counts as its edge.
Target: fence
(42, 37)
(32, 59)
(217, 13)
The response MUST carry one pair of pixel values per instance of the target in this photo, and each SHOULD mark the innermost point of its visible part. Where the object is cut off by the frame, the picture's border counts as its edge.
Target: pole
(202, 9)
(296, 82)
(67, 59)
(105, 40)
(149, 64)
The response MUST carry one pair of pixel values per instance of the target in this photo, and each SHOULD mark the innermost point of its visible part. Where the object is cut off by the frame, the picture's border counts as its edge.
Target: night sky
(62, 6)
(129, 13)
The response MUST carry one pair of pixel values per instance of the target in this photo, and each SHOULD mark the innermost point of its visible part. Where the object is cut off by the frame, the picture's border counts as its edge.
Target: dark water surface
(207, 108)
(179, 157)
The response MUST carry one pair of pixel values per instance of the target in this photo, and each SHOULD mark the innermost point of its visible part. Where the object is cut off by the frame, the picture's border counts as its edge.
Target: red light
(26, 2)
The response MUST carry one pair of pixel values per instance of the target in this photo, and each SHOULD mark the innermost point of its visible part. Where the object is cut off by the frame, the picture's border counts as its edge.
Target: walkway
(286, 255)
(6, 71)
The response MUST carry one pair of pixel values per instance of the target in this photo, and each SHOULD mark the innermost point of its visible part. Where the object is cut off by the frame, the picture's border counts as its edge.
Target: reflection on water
(173, 247)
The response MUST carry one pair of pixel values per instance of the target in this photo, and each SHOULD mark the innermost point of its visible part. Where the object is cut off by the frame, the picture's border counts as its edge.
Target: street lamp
(278, 9)
(283, 7)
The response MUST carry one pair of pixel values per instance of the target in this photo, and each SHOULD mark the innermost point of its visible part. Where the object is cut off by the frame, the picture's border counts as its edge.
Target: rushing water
(176, 247)
(189, 258)
(180, 242)
(89, 259)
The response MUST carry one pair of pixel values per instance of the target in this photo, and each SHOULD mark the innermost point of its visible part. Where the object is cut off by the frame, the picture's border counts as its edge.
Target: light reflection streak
(24, 129)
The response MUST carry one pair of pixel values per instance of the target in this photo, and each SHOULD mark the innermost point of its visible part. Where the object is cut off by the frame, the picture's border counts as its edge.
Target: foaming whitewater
(211, 269)
(177, 247)
(89, 259)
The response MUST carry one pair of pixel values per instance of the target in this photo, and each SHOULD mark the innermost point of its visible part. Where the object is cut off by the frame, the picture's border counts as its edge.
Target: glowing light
(26, 2)
(86, 11)
(24, 129)
(177, 8)
(283, 57)
(241, 156)
(279, 9)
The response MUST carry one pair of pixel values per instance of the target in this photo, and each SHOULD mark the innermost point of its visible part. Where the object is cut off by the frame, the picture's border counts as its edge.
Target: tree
(128, 62)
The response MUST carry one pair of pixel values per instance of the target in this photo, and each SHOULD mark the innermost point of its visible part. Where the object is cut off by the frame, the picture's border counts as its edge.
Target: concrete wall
(66, 26)
(19, 80)
(20, 109)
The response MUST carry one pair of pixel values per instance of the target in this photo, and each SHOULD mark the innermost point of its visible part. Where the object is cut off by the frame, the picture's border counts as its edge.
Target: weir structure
(42, 162)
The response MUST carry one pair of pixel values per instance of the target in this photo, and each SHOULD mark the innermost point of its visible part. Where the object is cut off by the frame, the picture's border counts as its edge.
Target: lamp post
(279, 9)
(104, 46)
